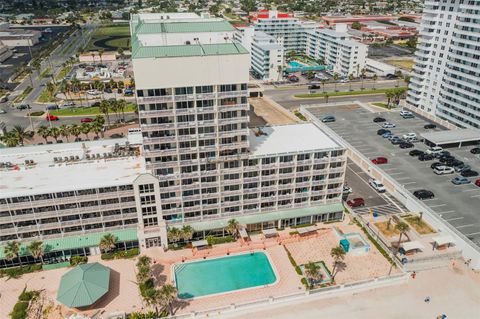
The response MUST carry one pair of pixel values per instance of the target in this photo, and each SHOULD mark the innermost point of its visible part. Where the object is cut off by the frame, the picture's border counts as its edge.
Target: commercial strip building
(5, 52)
(18, 37)
(335, 47)
(444, 80)
(198, 165)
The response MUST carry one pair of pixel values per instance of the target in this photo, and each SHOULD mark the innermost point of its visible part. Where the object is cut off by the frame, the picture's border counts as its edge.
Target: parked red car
(51, 117)
(477, 182)
(380, 160)
(356, 202)
(86, 120)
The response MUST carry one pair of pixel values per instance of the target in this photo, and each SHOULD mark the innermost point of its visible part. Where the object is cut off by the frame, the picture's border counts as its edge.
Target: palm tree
(75, 130)
(167, 295)
(312, 271)
(232, 227)
(398, 74)
(335, 78)
(37, 66)
(144, 261)
(20, 133)
(85, 128)
(338, 254)
(11, 250)
(390, 95)
(36, 250)
(51, 88)
(100, 54)
(350, 79)
(108, 242)
(362, 73)
(326, 97)
(104, 108)
(322, 82)
(64, 131)
(173, 234)
(44, 132)
(97, 128)
(144, 270)
(10, 139)
(55, 133)
(403, 228)
(122, 105)
(187, 232)
(374, 78)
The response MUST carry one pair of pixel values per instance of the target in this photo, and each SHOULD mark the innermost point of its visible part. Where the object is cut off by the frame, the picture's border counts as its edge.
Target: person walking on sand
(427, 299)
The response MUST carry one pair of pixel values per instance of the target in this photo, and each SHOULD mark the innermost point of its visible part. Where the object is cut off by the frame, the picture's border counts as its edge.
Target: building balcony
(234, 107)
(153, 113)
(304, 174)
(286, 164)
(206, 96)
(232, 94)
(155, 99)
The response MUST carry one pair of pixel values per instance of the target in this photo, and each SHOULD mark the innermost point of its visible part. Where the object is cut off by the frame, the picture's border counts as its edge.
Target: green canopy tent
(83, 285)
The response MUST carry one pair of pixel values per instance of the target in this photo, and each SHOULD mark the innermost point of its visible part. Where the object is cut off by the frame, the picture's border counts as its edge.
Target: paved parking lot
(458, 205)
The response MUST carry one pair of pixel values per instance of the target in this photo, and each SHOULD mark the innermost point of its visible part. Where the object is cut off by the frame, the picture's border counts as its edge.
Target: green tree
(36, 250)
(390, 95)
(356, 25)
(105, 108)
(336, 76)
(75, 130)
(85, 128)
(55, 133)
(403, 228)
(64, 131)
(412, 42)
(44, 132)
(108, 242)
(167, 295)
(174, 234)
(187, 232)
(21, 133)
(338, 255)
(374, 78)
(232, 227)
(37, 66)
(10, 139)
(312, 272)
(11, 250)
(350, 79)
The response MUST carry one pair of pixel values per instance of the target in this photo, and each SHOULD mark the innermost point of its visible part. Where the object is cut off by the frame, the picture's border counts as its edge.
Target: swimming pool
(220, 275)
(296, 64)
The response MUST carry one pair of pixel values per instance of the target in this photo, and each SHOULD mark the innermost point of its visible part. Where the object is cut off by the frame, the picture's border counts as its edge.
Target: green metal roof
(71, 242)
(182, 27)
(140, 52)
(83, 285)
(264, 217)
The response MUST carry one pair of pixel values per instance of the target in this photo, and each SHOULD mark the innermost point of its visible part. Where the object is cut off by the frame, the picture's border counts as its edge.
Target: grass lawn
(387, 232)
(384, 105)
(114, 35)
(420, 226)
(233, 18)
(63, 73)
(330, 94)
(45, 73)
(65, 50)
(24, 94)
(45, 97)
(403, 64)
(93, 110)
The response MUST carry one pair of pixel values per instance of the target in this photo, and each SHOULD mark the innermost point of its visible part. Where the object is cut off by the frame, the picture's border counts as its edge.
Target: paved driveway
(458, 205)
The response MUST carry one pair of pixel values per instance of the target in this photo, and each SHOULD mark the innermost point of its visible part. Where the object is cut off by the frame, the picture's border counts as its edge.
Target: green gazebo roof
(83, 285)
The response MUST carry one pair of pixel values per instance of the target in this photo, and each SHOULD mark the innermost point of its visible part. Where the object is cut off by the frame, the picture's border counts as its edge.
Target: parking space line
(409, 183)
(473, 234)
(463, 226)
(474, 196)
(446, 212)
(439, 205)
(402, 178)
(456, 218)
(395, 173)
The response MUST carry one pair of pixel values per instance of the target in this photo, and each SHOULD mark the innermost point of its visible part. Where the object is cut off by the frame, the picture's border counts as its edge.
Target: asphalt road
(57, 58)
(458, 205)
(285, 95)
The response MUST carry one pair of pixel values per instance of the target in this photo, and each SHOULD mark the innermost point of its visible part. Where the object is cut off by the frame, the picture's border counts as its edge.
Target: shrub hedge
(219, 240)
(375, 243)
(17, 272)
(77, 260)
(293, 262)
(20, 309)
(121, 254)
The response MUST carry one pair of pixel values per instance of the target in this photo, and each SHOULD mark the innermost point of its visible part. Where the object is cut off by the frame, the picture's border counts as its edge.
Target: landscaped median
(91, 110)
(346, 93)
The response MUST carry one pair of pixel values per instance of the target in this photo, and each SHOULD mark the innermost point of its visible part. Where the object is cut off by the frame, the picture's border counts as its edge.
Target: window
(204, 89)
(147, 188)
(184, 90)
(149, 199)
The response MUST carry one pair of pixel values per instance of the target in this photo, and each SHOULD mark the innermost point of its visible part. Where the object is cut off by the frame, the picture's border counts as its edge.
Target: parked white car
(435, 150)
(403, 113)
(409, 136)
(93, 92)
(377, 185)
(443, 170)
(388, 125)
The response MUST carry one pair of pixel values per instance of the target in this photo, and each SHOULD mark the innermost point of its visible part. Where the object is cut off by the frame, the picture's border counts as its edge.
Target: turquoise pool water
(295, 64)
(213, 276)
